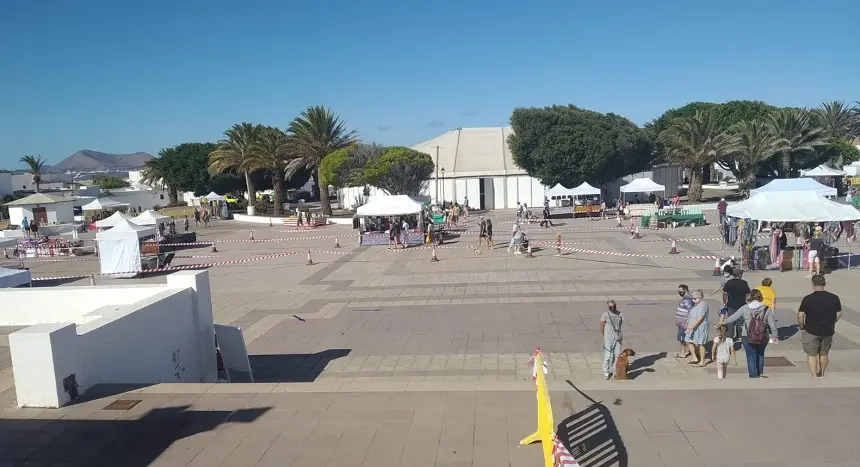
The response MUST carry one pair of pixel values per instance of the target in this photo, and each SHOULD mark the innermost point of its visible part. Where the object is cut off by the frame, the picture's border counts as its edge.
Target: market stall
(795, 185)
(582, 200)
(641, 185)
(108, 222)
(120, 248)
(380, 212)
(788, 211)
(692, 216)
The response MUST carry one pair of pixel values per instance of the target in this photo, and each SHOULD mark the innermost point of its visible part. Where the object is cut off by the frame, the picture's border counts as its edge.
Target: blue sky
(138, 76)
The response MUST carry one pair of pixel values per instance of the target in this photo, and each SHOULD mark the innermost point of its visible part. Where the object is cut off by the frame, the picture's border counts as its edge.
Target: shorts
(682, 335)
(812, 256)
(816, 345)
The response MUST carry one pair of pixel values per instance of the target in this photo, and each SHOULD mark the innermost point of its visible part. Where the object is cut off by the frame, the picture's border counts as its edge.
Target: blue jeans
(755, 357)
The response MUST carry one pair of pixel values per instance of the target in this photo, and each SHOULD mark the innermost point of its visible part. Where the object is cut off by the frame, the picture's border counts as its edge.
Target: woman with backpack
(758, 325)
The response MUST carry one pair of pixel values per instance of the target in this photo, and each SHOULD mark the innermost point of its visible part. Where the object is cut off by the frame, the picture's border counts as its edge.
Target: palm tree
(693, 143)
(235, 152)
(797, 133)
(837, 120)
(35, 163)
(272, 151)
(156, 172)
(752, 142)
(317, 132)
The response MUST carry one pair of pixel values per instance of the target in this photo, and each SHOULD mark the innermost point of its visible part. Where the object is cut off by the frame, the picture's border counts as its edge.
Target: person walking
(816, 251)
(25, 226)
(482, 232)
(735, 293)
(696, 334)
(757, 326)
(546, 222)
(196, 218)
(185, 223)
(514, 231)
(817, 317)
(722, 350)
(768, 297)
(610, 328)
(681, 314)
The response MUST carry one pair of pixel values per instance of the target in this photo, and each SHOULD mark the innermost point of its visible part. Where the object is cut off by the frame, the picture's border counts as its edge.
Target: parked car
(230, 199)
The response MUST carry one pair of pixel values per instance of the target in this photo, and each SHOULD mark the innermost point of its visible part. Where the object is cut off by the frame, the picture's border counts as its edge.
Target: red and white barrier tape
(629, 255)
(175, 268)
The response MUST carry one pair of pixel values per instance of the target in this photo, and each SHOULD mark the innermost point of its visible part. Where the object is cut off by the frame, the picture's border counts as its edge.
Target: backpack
(757, 329)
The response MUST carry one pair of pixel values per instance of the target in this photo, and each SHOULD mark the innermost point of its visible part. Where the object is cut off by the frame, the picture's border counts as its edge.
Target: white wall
(67, 304)
(499, 190)
(58, 213)
(167, 336)
(146, 199)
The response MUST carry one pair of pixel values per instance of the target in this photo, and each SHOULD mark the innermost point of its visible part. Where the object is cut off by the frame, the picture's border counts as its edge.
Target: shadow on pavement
(127, 443)
(591, 435)
(643, 364)
(292, 368)
(787, 332)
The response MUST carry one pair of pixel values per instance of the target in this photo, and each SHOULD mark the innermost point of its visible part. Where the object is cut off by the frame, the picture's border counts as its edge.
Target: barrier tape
(628, 255)
(174, 268)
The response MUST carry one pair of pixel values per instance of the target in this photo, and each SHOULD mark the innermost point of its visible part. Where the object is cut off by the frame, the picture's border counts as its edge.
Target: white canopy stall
(558, 191)
(803, 206)
(119, 248)
(149, 217)
(823, 170)
(643, 185)
(585, 189)
(391, 206)
(795, 185)
(212, 196)
(791, 206)
(113, 220)
(101, 204)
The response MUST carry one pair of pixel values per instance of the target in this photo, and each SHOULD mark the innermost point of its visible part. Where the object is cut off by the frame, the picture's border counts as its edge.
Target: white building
(80, 336)
(477, 164)
(46, 209)
(10, 183)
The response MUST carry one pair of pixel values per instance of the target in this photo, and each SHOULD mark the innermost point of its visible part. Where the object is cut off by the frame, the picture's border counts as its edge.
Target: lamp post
(443, 185)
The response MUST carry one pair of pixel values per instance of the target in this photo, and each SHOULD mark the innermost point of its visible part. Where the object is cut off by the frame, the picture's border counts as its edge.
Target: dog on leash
(622, 363)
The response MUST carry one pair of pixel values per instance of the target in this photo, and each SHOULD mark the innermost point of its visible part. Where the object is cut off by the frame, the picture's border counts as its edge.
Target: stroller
(521, 245)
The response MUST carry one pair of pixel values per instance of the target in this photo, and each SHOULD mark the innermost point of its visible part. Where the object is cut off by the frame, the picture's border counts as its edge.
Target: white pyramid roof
(113, 220)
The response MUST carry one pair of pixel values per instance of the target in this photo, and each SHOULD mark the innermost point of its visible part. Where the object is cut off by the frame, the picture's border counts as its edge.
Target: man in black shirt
(816, 251)
(817, 317)
(735, 294)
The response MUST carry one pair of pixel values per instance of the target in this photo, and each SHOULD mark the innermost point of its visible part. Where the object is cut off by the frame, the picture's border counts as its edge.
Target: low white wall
(66, 304)
(258, 219)
(166, 336)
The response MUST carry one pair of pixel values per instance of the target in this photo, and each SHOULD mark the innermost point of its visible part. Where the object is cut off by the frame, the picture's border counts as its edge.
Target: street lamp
(443, 185)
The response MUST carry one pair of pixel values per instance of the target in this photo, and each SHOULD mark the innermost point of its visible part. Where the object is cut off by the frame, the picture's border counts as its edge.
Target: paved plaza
(371, 357)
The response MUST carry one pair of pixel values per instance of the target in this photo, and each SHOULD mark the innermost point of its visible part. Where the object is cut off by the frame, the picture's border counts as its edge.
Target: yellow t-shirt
(767, 294)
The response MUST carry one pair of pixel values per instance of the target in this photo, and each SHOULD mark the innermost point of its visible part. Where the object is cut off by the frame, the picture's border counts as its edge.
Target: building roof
(38, 198)
(472, 152)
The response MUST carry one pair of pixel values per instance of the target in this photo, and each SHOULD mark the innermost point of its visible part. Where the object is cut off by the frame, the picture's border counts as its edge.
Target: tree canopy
(399, 171)
(109, 182)
(569, 145)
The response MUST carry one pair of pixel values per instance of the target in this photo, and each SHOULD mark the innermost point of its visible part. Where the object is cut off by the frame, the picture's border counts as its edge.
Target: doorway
(487, 196)
(40, 215)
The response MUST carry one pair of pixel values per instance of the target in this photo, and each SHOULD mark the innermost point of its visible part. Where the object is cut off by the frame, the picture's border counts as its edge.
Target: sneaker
(607, 376)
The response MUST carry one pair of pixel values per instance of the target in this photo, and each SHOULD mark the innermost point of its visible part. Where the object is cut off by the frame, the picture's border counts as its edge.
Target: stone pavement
(371, 342)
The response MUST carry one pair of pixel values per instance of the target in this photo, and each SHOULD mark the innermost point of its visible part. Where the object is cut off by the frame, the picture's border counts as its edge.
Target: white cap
(722, 199)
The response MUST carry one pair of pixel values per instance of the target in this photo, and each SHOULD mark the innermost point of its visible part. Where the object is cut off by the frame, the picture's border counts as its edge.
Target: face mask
(681, 293)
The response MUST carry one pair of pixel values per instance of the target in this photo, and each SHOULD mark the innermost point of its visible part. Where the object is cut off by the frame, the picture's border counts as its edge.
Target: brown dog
(622, 362)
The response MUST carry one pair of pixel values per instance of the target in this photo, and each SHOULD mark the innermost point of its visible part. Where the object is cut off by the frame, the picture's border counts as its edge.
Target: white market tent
(113, 220)
(100, 204)
(643, 185)
(789, 206)
(151, 218)
(389, 206)
(119, 248)
(212, 196)
(823, 170)
(793, 185)
(559, 190)
(585, 190)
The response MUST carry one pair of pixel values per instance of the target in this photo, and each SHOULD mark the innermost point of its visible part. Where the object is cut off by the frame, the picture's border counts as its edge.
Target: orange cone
(674, 249)
(434, 258)
(529, 252)
(636, 233)
(310, 261)
(336, 242)
(717, 267)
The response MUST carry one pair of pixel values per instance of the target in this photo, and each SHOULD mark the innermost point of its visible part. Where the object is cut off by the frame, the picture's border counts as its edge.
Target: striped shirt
(684, 307)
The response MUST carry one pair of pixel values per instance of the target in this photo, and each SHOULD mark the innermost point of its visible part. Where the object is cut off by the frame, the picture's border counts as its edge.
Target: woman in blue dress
(696, 335)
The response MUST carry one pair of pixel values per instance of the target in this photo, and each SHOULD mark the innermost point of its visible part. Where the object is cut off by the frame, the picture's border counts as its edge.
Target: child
(722, 349)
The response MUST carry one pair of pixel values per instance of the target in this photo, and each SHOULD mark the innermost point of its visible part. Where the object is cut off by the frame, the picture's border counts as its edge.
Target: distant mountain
(93, 160)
